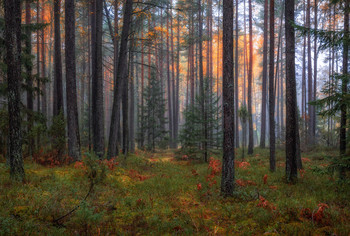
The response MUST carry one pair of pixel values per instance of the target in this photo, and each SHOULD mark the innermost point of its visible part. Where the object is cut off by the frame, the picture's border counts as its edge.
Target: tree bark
(121, 80)
(271, 88)
(13, 60)
(97, 79)
(58, 86)
(250, 78)
(264, 77)
(228, 171)
(29, 79)
(71, 90)
(291, 103)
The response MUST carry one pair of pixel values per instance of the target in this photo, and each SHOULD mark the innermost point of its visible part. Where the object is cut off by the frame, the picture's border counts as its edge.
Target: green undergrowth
(157, 194)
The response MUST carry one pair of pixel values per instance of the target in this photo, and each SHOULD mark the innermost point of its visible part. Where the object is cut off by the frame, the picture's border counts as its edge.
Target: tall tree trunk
(291, 102)
(315, 74)
(29, 78)
(121, 80)
(303, 83)
(250, 78)
(236, 80)
(228, 171)
(173, 78)
(97, 80)
(43, 65)
(309, 75)
(343, 115)
(271, 88)
(132, 100)
(264, 78)
(38, 63)
(169, 86)
(58, 85)
(201, 83)
(177, 110)
(71, 90)
(142, 89)
(13, 60)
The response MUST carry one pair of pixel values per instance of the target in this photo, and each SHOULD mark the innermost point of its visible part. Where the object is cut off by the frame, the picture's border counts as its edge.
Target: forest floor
(159, 194)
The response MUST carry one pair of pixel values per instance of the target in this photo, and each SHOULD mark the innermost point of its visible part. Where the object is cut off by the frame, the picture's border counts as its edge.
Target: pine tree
(153, 117)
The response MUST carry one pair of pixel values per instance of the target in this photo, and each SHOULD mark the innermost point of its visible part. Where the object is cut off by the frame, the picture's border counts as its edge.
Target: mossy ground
(156, 194)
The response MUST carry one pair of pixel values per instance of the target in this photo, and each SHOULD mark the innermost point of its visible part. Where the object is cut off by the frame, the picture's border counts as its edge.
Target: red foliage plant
(243, 183)
(50, 159)
(266, 204)
(265, 179)
(242, 164)
(319, 217)
(199, 186)
(136, 175)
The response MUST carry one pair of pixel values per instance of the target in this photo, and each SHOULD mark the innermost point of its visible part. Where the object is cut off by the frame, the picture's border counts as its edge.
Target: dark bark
(58, 86)
(310, 138)
(264, 78)
(201, 81)
(291, 102)
(71, 87)
(43, 66)
(121, 81)
(343, 109)
(250, 78)
(271, 88)
(29, 78)
(13, 60)
(132, 101)
(236, 80)
(228, 171)
(97, 79)
(170, 116)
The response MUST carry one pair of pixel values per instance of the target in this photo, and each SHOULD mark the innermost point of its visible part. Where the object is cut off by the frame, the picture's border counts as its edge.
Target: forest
(174, 117)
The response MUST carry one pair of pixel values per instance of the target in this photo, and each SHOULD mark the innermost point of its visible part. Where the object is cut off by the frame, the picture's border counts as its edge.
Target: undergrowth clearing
(159, 194)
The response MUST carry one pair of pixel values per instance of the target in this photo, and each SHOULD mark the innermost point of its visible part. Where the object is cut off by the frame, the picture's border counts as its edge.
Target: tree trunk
(97, 79)
(121, 80)
(58, 85)
(264, 78)
(43, 66)
(250, 78)
(169, 86)
(228, 171)
(29, 79)
(343, 115)
(201, 82)
(236, 80)
(71, 90)
(309, 75)
(271, 88)
(13, 60)
(291, 103)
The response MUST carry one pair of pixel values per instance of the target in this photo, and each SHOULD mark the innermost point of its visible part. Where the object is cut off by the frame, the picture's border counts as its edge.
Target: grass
(156, 194)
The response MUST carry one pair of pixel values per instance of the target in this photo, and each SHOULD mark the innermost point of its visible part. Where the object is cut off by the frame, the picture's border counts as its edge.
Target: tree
(250, 78)
(344, 107)
(264, 77)
(201, 82)
(228, 171)
(58, 87)
(291, 103)
(121, 80)
(97, 78)
(71, 90)
(13, 62)
(29, 77)
(154, 114)
(271, 87)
